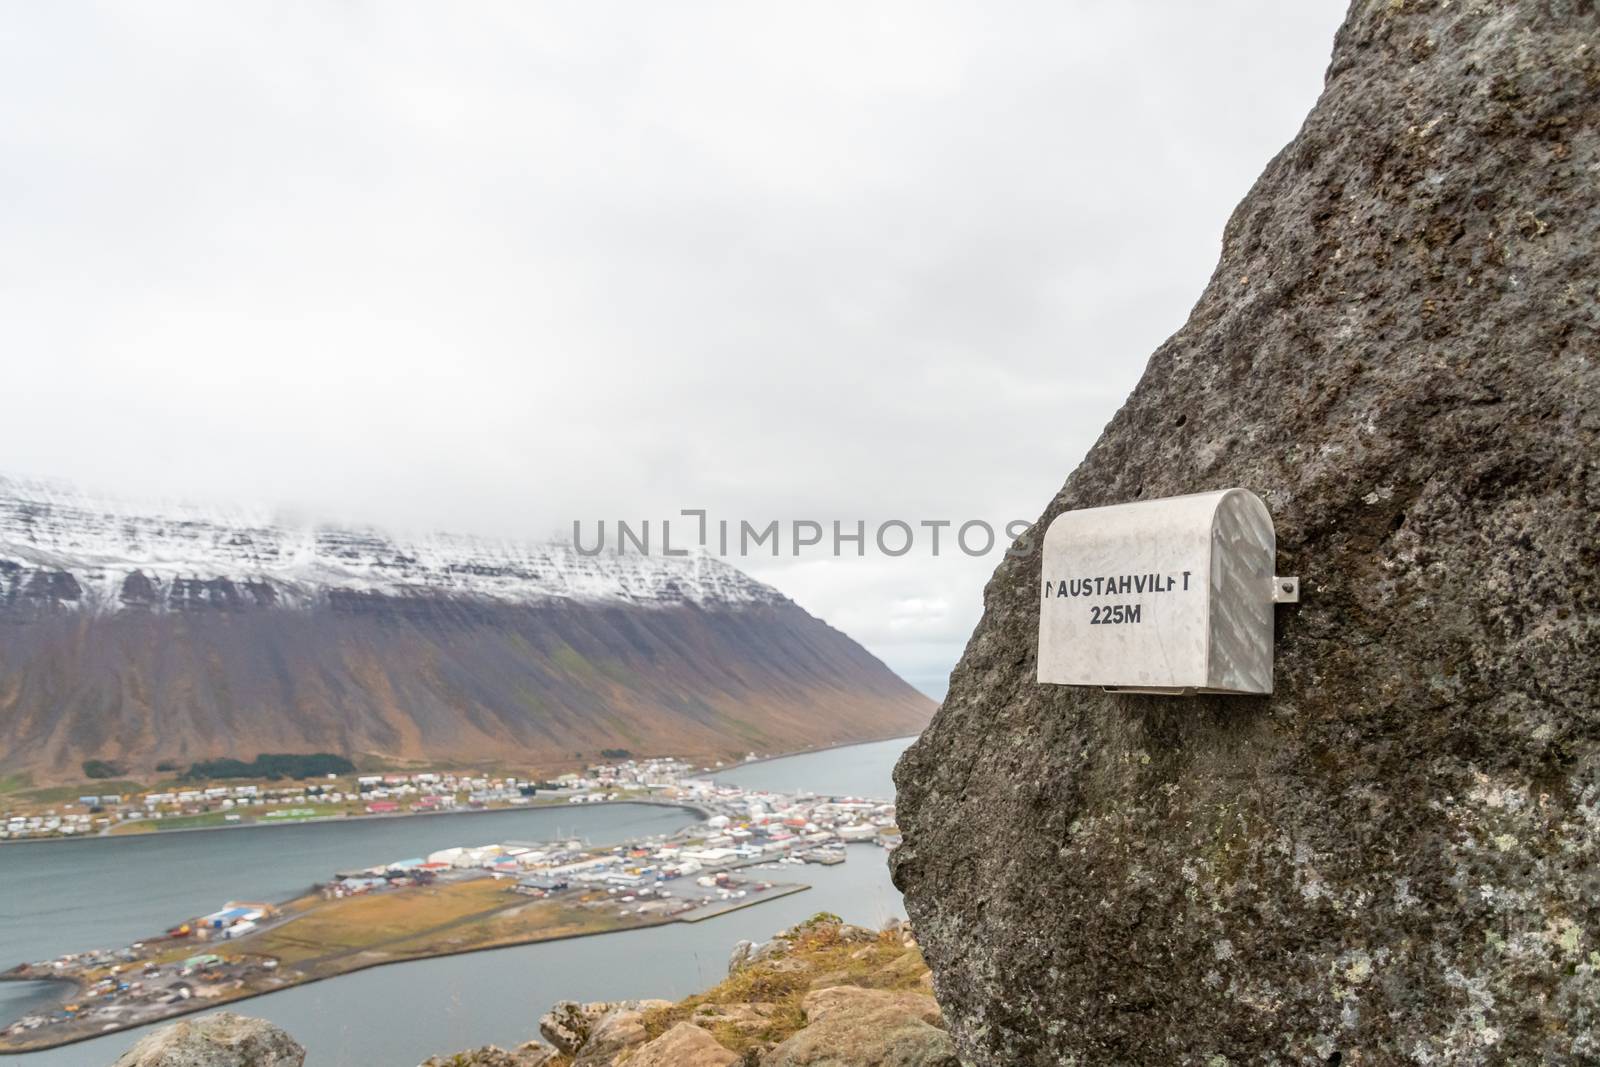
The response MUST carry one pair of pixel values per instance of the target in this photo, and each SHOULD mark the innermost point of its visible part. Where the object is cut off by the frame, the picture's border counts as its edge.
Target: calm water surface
(856, 770)
(60, 897)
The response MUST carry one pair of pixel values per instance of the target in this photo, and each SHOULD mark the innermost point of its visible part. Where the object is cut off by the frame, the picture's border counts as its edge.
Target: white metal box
(1162, 596)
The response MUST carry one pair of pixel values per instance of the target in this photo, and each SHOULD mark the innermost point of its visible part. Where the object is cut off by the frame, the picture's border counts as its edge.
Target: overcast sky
(491, 268)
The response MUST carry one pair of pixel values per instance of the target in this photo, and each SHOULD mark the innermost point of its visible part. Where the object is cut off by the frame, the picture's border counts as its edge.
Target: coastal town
(127, 808)
(748, 846)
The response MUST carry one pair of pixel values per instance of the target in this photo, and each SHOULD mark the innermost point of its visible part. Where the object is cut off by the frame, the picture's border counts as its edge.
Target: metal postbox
(1167, 596)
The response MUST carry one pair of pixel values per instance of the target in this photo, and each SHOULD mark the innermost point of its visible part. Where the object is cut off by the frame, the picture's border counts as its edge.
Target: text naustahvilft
(1103, 585)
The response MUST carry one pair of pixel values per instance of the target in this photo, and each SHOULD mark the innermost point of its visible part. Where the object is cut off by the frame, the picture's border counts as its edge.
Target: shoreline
(77, 987)
(336, 820)
(700, 814)
(778, 893)
(470, 811)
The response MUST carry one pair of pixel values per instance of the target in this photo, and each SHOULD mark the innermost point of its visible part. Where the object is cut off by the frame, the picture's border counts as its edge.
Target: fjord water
(60, 897)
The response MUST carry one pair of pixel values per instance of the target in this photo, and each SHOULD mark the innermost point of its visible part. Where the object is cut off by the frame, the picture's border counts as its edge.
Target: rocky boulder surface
(530, 1054)
(685, 1045)
(593, 1032)
(618, 1030)
(222, 1039)
(1396, 857)
(848, 1026)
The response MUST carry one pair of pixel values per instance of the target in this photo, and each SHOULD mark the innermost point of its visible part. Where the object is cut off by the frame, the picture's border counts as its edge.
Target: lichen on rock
(848, 1026)
(1395, 857)
(220, 1039)
(529, 1054)
(685, 1045)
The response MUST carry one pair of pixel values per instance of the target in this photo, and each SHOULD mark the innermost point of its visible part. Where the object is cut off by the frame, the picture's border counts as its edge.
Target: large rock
(746, 1018)
(619, 1029)
(821, 1004)
(1395, 858)
(847, 1026)
(596, 1031)
(222, 1039)
(685, 1045)
(568, 1023)
(530, 1054)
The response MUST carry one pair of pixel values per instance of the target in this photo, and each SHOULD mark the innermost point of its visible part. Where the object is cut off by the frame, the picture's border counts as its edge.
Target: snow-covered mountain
(120, 555)
(140, 636)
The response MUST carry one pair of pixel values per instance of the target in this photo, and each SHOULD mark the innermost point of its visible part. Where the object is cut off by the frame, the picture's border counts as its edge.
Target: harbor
(752, 845)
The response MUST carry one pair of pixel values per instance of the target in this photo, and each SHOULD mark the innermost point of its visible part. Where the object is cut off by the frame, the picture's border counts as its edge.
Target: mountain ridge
(138, 637)
(104, 543)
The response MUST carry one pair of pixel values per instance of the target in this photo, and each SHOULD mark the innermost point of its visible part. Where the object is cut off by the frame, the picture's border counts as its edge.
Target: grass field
(12, 783)
(337, 936)
(533, 920)
(335, 928)
(62, 794)
(175, 822)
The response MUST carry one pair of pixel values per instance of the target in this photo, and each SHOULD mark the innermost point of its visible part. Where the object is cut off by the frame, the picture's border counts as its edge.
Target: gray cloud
(494, 267)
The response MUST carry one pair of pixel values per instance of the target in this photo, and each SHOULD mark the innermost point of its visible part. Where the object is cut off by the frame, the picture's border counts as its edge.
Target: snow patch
(101, 542)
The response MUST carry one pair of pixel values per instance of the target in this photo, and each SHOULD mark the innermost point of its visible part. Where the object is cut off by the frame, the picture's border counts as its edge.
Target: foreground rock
(531, 1054)
(823, 994)
(596, 1031)
(618, 1030)
(222, 1039)
(1395, 858)
(685, 1045)
(848, 1026)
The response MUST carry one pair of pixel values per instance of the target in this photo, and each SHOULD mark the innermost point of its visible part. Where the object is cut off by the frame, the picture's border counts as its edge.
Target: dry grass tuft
(822, 953)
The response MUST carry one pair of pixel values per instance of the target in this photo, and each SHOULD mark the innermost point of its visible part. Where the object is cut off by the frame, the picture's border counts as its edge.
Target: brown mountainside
(141, 640)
